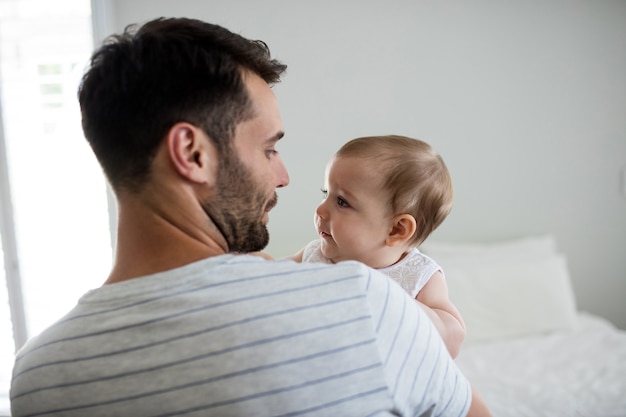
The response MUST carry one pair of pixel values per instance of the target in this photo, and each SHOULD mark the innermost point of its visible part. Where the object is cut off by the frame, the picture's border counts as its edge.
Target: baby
(383, 196)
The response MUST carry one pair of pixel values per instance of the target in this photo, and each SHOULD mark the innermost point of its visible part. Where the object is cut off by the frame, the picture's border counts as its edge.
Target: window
(60, 235)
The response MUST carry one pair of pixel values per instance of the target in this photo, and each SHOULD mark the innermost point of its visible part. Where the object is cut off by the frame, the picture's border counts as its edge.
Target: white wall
(526, 101)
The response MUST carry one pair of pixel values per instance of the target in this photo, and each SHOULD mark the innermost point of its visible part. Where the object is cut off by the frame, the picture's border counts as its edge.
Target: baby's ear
(402, 229)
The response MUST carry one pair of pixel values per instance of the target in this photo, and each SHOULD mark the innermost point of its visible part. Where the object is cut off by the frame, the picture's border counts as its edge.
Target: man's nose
(283, 176)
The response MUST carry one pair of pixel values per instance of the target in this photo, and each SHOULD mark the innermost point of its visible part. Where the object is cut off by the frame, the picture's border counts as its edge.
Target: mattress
(578, 372)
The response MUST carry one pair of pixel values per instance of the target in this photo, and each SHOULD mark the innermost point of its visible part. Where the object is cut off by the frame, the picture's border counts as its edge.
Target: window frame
(9, 249)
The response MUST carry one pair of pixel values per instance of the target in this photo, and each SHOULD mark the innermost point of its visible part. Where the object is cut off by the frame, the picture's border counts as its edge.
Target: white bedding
(580, 372)
(528, 351)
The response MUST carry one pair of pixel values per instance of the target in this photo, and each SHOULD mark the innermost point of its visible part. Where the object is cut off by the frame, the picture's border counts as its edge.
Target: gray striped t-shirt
(242, 336)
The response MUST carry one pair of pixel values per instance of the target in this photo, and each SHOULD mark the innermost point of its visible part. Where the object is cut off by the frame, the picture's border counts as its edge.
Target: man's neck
(150, 242)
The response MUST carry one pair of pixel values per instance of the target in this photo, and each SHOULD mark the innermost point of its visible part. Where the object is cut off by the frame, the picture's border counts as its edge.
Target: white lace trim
(412, 272)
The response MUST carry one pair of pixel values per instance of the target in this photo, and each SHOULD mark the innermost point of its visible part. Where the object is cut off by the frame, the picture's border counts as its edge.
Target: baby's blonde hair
(415, 178)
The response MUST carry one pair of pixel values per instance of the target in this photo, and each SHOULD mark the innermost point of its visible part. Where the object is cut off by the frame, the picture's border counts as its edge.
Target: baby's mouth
(324, 234)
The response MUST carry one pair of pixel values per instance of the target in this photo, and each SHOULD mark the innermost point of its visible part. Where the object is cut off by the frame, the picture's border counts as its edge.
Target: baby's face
(353, 220)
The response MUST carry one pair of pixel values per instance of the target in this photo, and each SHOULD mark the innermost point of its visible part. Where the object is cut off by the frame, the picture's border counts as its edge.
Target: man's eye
(342, 202)
(324, 193)
(271, 152)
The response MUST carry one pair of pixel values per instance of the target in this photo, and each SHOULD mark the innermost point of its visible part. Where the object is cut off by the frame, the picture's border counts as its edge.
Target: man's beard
(237, 207)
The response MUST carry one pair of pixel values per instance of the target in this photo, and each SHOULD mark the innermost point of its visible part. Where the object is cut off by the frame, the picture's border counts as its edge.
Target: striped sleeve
(420, 373)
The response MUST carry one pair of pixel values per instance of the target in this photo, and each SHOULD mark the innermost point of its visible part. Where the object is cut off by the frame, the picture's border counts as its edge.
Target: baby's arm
(447, 319)
(298, 256)
(262, 255)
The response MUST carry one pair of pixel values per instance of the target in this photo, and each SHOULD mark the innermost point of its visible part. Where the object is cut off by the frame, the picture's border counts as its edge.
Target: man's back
(237, 335)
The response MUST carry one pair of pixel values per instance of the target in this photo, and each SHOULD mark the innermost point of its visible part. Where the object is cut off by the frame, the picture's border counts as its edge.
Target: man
(181, 117)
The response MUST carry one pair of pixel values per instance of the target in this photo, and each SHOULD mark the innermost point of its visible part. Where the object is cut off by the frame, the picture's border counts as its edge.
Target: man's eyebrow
(276, 137)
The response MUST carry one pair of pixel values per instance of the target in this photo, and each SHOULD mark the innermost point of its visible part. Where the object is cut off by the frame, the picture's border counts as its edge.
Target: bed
(528, 350)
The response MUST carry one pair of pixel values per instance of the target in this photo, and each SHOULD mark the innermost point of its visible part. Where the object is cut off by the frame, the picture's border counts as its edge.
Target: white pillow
(514, 248)
(509, 289)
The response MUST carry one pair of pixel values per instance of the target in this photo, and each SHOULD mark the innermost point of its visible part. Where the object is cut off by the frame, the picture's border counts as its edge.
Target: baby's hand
(262, 255)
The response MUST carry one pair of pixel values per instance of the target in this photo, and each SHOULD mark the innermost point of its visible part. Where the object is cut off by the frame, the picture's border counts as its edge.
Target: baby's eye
(341, 202)
(324, 192)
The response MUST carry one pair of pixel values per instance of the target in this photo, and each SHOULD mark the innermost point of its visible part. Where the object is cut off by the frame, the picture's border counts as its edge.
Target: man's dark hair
(142, 82)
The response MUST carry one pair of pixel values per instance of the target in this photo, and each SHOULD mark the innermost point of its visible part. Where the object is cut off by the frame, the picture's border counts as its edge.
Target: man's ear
(191, 152)
(402, 229)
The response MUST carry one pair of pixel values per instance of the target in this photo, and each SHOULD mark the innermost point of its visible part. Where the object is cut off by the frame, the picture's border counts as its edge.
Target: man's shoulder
(343, 268)
(347, 276)
(287, 265)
